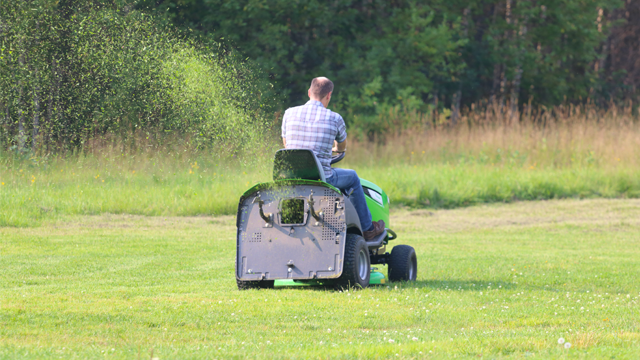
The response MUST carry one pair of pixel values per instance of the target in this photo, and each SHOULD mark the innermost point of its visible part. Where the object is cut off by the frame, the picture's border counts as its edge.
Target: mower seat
(297, 164)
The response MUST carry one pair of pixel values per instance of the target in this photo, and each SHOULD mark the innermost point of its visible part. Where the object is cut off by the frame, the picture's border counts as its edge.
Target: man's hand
(339, 147)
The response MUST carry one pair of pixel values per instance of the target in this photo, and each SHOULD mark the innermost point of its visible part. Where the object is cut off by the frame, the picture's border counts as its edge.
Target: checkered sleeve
(341, 135)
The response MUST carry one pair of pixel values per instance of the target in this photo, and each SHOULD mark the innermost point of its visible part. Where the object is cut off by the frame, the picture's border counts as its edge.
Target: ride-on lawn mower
(300, 230)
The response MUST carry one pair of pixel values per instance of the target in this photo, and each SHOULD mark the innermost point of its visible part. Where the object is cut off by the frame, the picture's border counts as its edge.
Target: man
(312, 126)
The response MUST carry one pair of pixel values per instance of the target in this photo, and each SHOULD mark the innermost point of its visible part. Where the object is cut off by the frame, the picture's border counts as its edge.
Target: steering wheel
(338, 157)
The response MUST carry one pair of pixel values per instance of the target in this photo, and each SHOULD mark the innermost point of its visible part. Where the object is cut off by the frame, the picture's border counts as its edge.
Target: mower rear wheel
(403, 264)
(357, 264)
(261, 284)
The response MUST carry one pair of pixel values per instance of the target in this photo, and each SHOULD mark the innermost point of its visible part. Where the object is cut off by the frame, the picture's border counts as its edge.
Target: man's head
(320, 90)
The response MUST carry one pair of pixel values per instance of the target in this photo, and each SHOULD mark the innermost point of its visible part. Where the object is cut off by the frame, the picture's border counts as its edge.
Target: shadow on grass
(466, 285)
(453, 285)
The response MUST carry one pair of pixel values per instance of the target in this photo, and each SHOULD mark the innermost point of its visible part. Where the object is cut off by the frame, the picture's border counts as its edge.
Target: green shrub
(75, 73)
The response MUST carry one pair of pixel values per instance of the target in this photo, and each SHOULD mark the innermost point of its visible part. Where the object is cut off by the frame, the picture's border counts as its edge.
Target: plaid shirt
(312, 126)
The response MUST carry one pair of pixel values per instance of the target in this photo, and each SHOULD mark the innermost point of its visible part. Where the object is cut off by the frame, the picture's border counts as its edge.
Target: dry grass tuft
(557, 137)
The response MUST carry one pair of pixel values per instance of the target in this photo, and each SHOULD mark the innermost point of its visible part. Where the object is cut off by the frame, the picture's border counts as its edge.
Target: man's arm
(340, 143)
(339, 147)
(284, 141)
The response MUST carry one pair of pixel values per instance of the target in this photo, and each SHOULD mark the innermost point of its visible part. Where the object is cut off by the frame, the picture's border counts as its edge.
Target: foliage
(417, 54)
(501, 281)
(406, 46)
(71, 71)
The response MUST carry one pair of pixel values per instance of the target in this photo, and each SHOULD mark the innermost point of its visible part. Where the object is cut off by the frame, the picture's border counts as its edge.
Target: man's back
(314, 127)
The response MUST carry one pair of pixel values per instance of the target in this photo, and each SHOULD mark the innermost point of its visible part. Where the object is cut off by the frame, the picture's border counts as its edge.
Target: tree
(108, 71)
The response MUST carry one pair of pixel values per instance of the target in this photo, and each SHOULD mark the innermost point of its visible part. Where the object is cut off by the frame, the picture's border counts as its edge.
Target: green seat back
(297, 164)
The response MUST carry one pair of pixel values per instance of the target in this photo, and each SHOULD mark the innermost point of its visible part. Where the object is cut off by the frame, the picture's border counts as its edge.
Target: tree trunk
(455, 105)
(515, 88)
(21, 136)
(497, 69)
(458, 95)
(435, 108)
(64, 76)
(49, 114)
(36, 112)
(7, 119)
(497, 65)
(3, 107)
(59, 112)
(504, 68)
(36, 98)
(10, 93)
(3, 129)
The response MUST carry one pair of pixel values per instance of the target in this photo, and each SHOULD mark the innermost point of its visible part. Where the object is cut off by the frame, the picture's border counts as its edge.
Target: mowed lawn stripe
(493, 281)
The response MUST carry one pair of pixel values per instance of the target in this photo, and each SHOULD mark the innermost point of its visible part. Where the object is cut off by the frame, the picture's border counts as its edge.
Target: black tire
(262, 284)
(403, 264)
(246, 285)
(356, 270)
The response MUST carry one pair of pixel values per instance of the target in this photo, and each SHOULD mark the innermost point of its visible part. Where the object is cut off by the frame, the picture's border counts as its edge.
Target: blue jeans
(345, 179)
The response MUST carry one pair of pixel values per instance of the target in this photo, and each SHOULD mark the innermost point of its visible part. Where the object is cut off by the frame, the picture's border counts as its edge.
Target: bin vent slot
(256, 237)
(331, 222)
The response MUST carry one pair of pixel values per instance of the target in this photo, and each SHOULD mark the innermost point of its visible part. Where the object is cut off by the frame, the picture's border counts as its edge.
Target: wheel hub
(412, 269)
(362, 264)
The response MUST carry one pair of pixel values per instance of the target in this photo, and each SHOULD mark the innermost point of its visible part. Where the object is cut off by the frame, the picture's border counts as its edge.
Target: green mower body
(299, 231)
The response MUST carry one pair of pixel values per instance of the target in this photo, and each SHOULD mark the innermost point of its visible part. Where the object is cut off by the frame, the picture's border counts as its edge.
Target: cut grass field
(501, 280)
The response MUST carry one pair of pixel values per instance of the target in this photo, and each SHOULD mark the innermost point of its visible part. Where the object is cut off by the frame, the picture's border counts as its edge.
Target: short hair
(321, 87)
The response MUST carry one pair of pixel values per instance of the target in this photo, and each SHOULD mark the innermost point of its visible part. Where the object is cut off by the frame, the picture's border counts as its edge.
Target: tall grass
(568, 155)
(493, 155)
(557, 137)
(153, 183)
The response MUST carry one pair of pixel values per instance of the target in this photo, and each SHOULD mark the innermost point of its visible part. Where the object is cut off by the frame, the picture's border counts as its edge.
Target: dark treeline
(442, 53)
(78, 70)
(72, 70)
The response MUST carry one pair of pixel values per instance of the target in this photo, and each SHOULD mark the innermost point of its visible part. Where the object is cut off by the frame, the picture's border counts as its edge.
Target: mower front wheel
(403, 264)
(357, 264)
